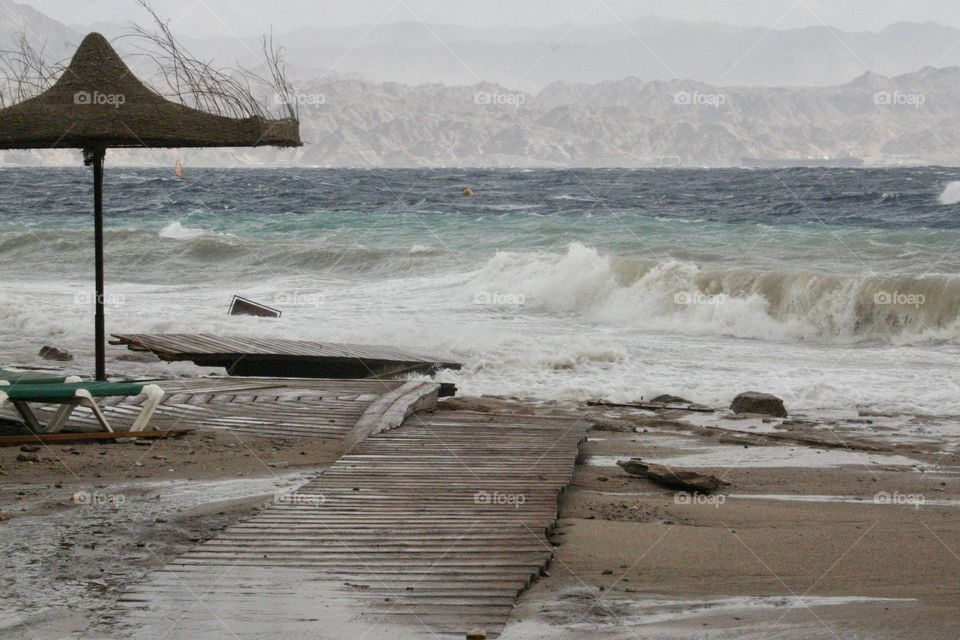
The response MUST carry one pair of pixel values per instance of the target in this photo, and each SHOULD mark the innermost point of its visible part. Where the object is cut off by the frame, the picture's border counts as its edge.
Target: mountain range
(414, 95)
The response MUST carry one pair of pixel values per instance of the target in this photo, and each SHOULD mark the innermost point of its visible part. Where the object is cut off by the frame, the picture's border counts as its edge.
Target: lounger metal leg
(60, 417)
(154, 396)
(28, 416)
(84, 397)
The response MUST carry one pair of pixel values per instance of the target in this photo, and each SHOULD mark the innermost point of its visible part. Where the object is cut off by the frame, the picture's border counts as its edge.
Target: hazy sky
(251, 17)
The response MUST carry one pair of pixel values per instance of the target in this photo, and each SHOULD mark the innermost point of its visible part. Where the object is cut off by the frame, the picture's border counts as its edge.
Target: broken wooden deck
(423, 531)
(266, 407)
(284, 358)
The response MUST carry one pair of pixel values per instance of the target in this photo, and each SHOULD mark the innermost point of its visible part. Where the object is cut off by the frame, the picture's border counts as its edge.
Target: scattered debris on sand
(660, 403)
(666, 398)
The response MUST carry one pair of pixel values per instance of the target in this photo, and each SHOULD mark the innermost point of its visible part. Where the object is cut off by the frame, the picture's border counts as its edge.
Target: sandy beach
(858, 545)
(850, 534)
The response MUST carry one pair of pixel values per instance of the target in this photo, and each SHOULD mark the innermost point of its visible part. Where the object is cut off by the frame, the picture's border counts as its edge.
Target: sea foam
(951, 194)
(176, 231)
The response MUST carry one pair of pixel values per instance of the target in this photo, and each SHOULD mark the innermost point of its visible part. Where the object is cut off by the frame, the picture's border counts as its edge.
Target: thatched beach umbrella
(98, 103)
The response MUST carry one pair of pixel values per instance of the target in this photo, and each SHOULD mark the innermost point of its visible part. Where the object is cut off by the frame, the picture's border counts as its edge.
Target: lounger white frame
(83, 397)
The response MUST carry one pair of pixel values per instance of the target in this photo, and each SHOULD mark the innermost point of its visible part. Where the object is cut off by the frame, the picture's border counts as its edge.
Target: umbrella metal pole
(97, 157)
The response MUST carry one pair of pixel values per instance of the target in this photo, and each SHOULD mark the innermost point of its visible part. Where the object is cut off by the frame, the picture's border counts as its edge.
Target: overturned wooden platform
(424, 531)
(265, 406)
(284, 358)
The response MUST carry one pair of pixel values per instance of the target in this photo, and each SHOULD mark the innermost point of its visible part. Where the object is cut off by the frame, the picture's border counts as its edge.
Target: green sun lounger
(70, 395)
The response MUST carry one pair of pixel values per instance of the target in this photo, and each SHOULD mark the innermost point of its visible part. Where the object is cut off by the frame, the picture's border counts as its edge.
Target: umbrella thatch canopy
(98, 103)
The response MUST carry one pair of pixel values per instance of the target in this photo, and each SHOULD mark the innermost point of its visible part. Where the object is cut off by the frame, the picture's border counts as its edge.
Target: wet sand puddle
(65, 558)
(581, 612)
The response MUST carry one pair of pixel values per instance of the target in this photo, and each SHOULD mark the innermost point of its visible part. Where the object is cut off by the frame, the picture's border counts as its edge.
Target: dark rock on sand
(52, 353)
(679, 479)
(756, 402)
(28, 457)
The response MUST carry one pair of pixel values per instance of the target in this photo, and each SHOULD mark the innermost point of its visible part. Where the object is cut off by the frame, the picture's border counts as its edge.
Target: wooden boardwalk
(275, 357)
(264, 407)
(424, 531)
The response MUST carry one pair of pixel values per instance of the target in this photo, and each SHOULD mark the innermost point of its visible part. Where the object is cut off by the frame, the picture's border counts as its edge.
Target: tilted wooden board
(279, 357)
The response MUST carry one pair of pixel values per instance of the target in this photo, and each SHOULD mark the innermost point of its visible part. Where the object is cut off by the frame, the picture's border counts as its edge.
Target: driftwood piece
(679, 479)
(653, 406)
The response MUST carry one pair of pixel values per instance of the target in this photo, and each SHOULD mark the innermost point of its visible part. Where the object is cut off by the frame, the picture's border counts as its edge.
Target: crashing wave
(681, 297)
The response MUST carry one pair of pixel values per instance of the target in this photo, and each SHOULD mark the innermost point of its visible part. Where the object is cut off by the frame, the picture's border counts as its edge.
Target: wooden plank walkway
(424, 531)
(243, 356)
(265, 407)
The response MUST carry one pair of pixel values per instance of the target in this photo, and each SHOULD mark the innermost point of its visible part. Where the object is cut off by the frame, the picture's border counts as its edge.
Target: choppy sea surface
(835, 289)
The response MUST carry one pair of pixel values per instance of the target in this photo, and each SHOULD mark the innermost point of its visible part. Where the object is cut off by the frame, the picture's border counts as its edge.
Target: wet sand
(857, 539)
(832, 526)
(90, 519)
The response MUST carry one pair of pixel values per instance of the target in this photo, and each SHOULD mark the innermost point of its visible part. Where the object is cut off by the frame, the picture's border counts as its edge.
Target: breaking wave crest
(177, 231)
(663, 295)
(951, 194)
(677, 296)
